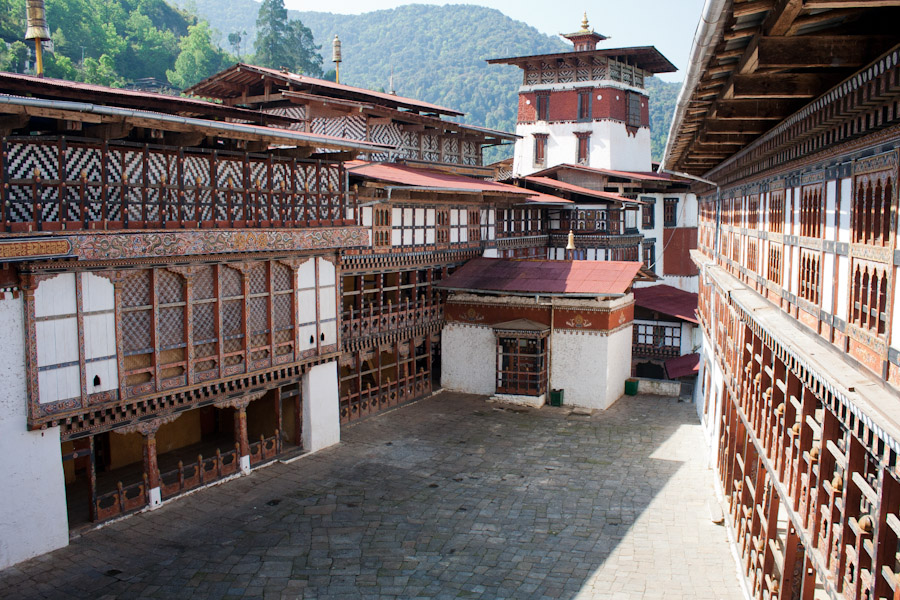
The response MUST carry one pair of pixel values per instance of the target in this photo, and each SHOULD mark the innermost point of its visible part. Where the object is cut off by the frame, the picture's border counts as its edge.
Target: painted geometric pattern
(282, 310)
(430, 148)
(471, 154)
(548, 76)
(566, 75)
(410, 148)
(353, 128)
(298, 113)
(451, 150)
(389, 134)
(146, 180)
(598, 73)
(532, 77)
(583, 74)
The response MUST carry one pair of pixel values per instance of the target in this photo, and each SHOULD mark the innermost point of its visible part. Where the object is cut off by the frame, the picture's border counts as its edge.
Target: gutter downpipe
(712, 22)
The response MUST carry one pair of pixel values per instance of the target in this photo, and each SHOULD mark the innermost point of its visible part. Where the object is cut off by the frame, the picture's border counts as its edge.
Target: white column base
(245, 464)
(155, 498)
(321, 407)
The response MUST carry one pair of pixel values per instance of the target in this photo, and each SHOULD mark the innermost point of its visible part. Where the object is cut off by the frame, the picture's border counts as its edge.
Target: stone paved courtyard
(452, 497)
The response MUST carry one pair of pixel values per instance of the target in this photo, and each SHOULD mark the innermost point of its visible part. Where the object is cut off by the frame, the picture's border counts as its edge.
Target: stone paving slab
(451, 497)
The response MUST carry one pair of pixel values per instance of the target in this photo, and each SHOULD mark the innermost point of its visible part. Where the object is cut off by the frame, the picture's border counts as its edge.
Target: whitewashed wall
(32, 494)
(321, 407)
(468, 359)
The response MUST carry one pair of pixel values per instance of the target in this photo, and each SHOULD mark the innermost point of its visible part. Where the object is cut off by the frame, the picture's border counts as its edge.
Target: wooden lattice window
(232, 288)
(657, 339)
(670, 212)
(812, 210)
(649, 252)
(540, 149)
(205, 316)
(648, 212)
(776, 211)
(753, 211)
(521, 364)
(868, 296)
(634, 109)
(774, 263)
(810, 286)
(873, 202)
(543, 106)
(382, 226)
(584, 106)
(752, 255)
(443, 226)
(584, 147)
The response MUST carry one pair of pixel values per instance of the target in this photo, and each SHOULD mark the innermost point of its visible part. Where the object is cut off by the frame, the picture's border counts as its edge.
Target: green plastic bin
(556, 397)
(631, 386)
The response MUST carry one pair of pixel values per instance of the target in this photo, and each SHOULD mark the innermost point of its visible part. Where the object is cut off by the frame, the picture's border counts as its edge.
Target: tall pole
(336, 58)
(37, 30)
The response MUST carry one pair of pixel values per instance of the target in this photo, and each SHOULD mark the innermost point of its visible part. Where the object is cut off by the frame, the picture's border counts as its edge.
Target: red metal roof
(558, 277)
(428, 179)
(541, 198)
(667, 300)
(209, 86)
(569, 187)
(635, 175)
(683, 366)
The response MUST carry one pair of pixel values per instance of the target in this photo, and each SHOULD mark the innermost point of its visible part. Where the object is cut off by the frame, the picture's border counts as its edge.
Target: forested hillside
(437, 54)
(112, 42)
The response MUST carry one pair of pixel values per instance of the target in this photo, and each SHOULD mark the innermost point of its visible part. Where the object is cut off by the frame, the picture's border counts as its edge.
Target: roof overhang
(647, 58)
(756, 64)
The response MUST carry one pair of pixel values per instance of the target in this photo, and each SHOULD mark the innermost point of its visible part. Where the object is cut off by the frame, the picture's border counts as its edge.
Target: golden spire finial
(584, 22)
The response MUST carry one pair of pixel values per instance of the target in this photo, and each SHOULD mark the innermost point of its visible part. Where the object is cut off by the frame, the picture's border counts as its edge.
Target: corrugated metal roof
(667, 300)
(636, 175)
(683, 366)
(577, 189)
(428, 179)
(242, 73)
(556, 277)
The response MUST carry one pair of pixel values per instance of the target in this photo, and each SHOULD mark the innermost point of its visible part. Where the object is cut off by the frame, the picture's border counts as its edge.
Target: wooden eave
(772, 58)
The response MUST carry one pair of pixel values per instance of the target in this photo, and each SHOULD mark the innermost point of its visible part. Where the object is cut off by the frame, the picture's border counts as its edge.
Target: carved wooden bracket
(147, 427)
(240, 401)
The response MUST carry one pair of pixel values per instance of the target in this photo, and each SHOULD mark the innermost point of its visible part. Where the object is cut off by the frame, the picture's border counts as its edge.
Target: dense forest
(433, 53)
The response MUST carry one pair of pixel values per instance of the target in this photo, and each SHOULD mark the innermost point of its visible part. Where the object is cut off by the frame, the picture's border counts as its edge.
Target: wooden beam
(108, 131)
(796, 85)
(780, 19)
(752, 8)
(850, 3)
(818, 51)
(768, 110)
(736, 126)
(819, 18)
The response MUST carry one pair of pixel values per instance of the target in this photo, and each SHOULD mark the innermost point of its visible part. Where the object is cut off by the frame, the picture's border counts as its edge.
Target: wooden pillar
(298, 416)
(240, 435)
(151, 465)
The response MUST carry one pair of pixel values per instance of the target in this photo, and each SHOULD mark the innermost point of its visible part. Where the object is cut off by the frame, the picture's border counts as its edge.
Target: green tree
(198, 58)
(15, 58)
(284, 44)
(101, 71)
(236, 41)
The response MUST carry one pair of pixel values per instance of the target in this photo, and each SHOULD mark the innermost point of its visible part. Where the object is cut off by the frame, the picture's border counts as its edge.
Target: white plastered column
(33, 516)
(321, 407)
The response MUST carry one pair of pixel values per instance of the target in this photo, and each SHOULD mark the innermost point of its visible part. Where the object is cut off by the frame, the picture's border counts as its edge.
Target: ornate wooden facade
(793, 119)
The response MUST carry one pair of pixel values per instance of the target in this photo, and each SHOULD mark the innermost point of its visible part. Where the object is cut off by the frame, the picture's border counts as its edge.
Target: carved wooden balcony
(59, 184)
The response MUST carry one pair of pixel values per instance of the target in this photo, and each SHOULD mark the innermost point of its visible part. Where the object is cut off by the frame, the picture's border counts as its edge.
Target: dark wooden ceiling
(771, 58)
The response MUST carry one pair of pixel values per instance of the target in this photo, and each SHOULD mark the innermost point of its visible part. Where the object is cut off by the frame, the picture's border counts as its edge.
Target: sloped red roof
(428, 179)
(216, 86)
(667, 300)
(635, 175)
(558, 277)
(683, 366)
(577, 189)
(541, 198)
